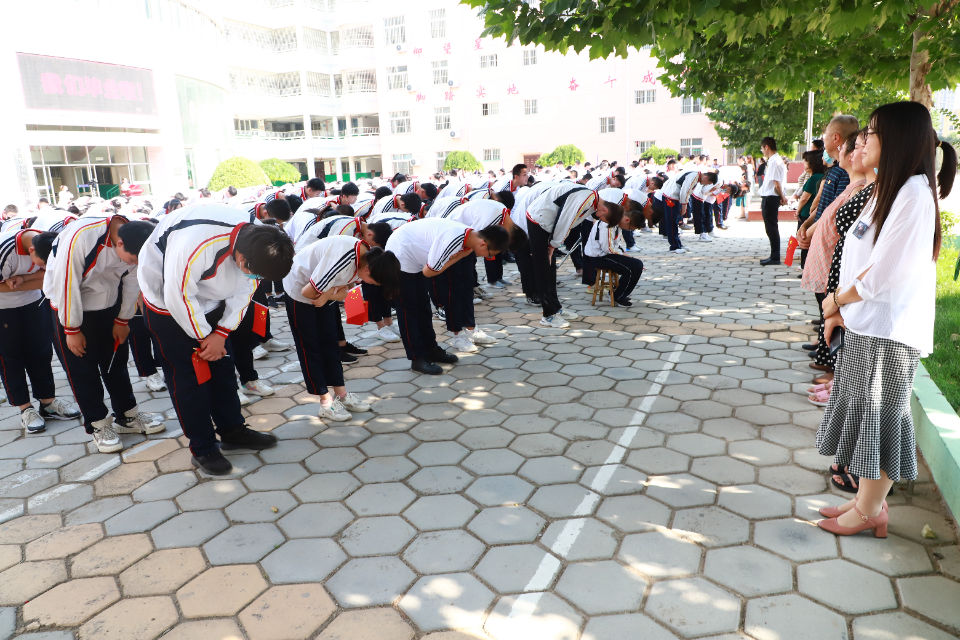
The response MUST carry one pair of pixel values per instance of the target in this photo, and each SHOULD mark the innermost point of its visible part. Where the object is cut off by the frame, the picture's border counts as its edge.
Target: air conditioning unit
(453, 134)
(409, 87)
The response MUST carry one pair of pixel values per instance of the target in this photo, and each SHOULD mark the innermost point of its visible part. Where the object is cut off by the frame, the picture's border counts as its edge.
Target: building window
(399, 122)
(357, 38)
(529, 57)
(491, 155)
(645, 96)
(394, 30)
(488, 61)
(403, 163)
(691, 146)
(692, 105)
(438, 23)
(441, 118)
(397, 77)
(440, 72)
(608, 124)
(530, 107)
(441, 159)
(360, 81)
(642, 146)
(490, 108)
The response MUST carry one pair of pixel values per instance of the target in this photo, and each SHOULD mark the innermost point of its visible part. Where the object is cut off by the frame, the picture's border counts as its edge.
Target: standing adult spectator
(813, 167)
(64, 196)
(772, 196)
(836, 179)
(886, 301)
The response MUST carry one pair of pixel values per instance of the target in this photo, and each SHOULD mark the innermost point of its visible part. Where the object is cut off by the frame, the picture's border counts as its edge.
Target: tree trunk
(919, 68)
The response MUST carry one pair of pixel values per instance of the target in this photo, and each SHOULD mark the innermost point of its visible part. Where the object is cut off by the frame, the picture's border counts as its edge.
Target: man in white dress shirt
(772, 196)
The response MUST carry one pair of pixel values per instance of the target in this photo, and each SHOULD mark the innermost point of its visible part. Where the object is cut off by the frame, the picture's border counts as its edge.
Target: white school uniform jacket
(681, 185)
(560, 208)
(598, 181)
(443, 207)
(410, 186)
(455, 188)
(84, 273)
(15, 261)
(602, 240)
(523, 197)
(503, 184)
(480, 214)
(363, 205)
(256, 208)
(187, 268)
(395, 219)
(54, 221)
(386, 203)
(325, 264)
(332, 226)
(428, 242)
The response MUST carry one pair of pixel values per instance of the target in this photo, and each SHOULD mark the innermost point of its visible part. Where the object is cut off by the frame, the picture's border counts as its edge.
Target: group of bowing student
(193, 285)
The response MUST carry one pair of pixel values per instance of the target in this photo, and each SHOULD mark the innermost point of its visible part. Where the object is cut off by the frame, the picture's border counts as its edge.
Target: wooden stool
(605, 279)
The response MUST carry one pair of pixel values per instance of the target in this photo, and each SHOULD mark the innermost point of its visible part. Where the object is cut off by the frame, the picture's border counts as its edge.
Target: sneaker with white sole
(712, 233)
(259, 352)
(497, 285)
(244, 398)
(59, 410)
(352, 402)
(385, 334)
(477, 300)
(477, 336)
(646, 230)
(258, 388)
(276, 345)
(480, 292)
(461, 343)
(678, 251)
(705, 237)
(555, 321)
(105, 437)
(393, 327)
(155, 382)
(133, 421)
(569, 314)
(335, 412)
(440, 314)
(31, 421)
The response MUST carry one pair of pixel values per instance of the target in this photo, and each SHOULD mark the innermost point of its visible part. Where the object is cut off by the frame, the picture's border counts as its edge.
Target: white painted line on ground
(49, 495)
(143, 446)
(100, 469)
(527, 602)
(11, 513)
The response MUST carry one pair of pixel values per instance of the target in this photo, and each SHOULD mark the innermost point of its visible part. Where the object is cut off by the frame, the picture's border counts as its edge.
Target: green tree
(237, 172)
(279, 171)
(565, 154)
(462, 160)
(788, 46)
(660, 154)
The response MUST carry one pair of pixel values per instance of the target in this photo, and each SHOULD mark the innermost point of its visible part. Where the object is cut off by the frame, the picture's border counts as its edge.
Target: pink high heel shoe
(817, 388)
(834, 512)
(820, 398)
(877, 523)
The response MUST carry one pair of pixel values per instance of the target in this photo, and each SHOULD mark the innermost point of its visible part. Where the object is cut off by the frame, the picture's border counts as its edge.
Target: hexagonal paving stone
(132, 618)
(516, 568)
(777, 616)
(189, 529)
(376, 536)
(275, 476)
(332, 460)
(492, 462)
(499, 490)
(384, 469)
(564, 500)
(892, 556)
(242, 543)
(110, 556)
(438, 453)
(681, 490)
(370, 581)
(498, 525)
(441, 479)
(792, 479)
(754, 501)
(580, 539)
(443, 551)
(303, 560)
(70, 603)
(935, 597)
(380, 499)
(315, 520)
(722, 470)
(904, 519)
(63, 542)
(220, 591)
(161, 572)
(440, 512)
(534, 615)
(551, 470)
(845, 586)
(261, 506)
(384, 623)
(454, 600)
(694, 607)
(658, 460)
(633, 513)
(601, 587)
(288, 611)
(166, 486)
(759, 453)
(214, 494)
(795, 540)
(749, 571)
(711, 526)
(660, 554)
(613, 479)
(628, 626)
(696, 444)
(893, 626)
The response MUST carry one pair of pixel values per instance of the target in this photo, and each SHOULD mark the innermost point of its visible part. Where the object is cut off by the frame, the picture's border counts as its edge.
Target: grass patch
(944, 363)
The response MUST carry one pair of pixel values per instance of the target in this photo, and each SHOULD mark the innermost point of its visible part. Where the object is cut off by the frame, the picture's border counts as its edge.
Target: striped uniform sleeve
(443, 248)
(80, 245)
(333, 270)
(182, 270)
(575, 209)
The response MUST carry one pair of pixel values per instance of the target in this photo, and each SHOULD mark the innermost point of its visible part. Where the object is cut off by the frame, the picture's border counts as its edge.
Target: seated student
(25, 349)
(93, 294)
(425, 249)
(601, 250)
(198, 271)
(323, 274)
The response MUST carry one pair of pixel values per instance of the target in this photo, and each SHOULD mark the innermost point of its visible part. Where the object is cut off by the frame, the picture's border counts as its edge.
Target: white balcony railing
(269, 135)
(365, 131)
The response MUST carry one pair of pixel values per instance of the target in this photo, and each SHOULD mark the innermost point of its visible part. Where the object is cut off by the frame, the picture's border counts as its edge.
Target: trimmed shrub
(565, 154)
(237, 172)
(462, 160)
(280, 172)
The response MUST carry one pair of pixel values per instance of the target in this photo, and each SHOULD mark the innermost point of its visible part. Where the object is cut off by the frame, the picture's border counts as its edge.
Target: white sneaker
(276, 345)
(393, 327)
(678, 251)
(477, 301)
(59, 409)
(244, 398)
(31, 421)
(440, 315)
(106, 438)
(569, 314)
(705, 237)
(480, 292)
(135, 422)
(712, 233)
(155, 382)
(461, 343)
(499, 284)
(259, 352)
(385, 334)
(477, 336)
(258, 388)
(352, 402)
(555, 321)
(335, 412)
(3, 396)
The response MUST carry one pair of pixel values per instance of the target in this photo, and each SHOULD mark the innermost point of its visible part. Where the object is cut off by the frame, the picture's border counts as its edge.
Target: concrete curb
(938, 436)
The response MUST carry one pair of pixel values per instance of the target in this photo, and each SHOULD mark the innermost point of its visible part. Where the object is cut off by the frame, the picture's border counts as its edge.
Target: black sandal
(844, 480)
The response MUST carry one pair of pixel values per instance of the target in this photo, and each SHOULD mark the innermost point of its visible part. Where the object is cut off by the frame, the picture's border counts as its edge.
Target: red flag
(200, 367)
(791, 250)
(260, 316)
(355, 307)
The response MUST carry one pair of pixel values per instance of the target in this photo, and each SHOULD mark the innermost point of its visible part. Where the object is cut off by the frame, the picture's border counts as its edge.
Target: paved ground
(647, 474)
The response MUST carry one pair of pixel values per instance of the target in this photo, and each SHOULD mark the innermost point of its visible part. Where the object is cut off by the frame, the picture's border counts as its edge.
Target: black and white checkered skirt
(868, 425)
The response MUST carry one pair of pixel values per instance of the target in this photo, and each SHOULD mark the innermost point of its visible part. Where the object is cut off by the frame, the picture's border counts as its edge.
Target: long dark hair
(909, 148)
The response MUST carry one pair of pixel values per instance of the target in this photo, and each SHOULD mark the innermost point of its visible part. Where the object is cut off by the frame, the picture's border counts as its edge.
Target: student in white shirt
(521, 252)
(675, 195)
(409, 202)
(91, 283)
(886, 299)
(601, 250)
(198, 272)
(703, 198)
(772, 197)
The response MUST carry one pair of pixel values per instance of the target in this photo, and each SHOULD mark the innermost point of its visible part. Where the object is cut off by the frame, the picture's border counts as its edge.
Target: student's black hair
(325, 212)
(270, 221)
(279, 209)
(531, 181)
(517, 169)
(618, 179)
(43, 244)
(384, 269)
(657, 181)
(172, 205)
(574, 174)
(316, 184)
(769, 142)
(496, 238)
(636, 214)
(430, 189)
(43, 200)
(11, 208)
(381, 232)
(134, 234)
(588, 176)
(343, 210)
(620, 170)
(204, 193)
(398, 178)
(517, 238)
(411, 202)
(179, 196)
(231, 191)
(268, 251)
(671, 161)
(818, 144)
(505, 198)
(74, 210)
(294, 202)
(616, 214)
(452, 172)
(382, 192)
(350, 189)
(711, 177)
(29, 222)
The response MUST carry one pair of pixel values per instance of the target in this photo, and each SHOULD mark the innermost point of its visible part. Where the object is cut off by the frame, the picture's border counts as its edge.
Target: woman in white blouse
(886, 302)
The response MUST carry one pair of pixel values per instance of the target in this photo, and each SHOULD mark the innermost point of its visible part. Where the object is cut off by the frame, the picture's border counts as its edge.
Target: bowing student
(602, 250)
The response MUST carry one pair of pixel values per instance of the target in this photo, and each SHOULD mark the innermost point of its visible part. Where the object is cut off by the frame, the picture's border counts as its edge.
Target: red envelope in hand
(355, 307)
(200, 367)
(260, 316)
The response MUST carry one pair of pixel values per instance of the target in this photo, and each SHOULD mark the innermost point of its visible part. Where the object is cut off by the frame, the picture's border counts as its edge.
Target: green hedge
(237, 172)
(279, 171)
(565, 154)
(462, 160)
